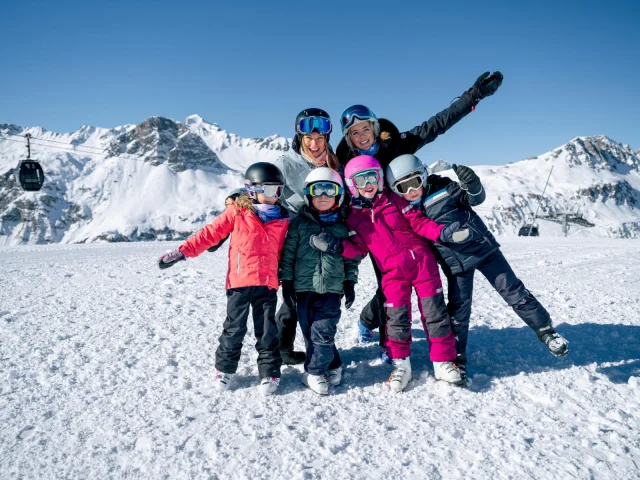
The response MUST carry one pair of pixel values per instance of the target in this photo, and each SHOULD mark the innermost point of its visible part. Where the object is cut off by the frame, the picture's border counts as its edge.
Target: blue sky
(571, 68)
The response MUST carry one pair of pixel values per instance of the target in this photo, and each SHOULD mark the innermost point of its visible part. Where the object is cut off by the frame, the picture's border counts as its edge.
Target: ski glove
(170, 258)
(325, 242)
(468, 179)
(349, 293)
(289, 294)
(454, 234)
(486, 85)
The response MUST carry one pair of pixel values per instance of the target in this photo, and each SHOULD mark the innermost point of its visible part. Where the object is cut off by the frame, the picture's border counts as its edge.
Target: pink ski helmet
(360, 164)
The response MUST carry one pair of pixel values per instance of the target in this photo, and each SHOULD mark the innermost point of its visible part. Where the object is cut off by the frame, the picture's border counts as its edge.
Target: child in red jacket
(259, 226)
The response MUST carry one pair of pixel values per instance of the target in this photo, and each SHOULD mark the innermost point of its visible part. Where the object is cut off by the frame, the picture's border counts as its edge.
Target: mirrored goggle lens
(412, 183)
(318, 189)
(362, 179)
(359, 111)
(267, 190)
(309, 125)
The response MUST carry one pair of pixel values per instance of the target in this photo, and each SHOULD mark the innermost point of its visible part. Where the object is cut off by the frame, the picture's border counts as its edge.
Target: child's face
(369, 190)
(323, 203)
(413, 195)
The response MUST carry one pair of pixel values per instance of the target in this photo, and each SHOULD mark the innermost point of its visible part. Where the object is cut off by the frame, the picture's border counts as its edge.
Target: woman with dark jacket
(364, 134)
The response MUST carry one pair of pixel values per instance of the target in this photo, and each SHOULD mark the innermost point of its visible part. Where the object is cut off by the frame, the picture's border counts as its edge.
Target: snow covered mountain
(160, 179)
(164, 179)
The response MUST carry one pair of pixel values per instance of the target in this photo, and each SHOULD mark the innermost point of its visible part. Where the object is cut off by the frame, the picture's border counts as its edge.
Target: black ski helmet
(311, 112)
(263, 173)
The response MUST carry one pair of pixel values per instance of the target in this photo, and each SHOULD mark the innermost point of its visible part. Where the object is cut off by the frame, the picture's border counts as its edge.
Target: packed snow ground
(106, 368)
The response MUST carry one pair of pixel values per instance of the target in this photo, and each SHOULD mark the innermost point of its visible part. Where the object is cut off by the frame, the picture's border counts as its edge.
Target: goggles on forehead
(361, 179)
(328, 189)
(308, 125)
(354, 112)
(267, 190)
(413, 182)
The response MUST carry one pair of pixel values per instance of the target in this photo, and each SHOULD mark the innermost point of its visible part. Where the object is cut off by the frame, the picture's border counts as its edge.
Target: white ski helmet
(403, 166)
(324, 174)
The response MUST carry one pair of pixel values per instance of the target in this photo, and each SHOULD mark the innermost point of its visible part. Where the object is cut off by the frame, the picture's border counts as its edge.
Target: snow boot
(556, 343)
(334, 376)
(448, 371)
(290, 357)
(461, 363)
(317, 383)
(401, 374)
(268, 385)
(365, 335)
(384, 356)
(222, 380)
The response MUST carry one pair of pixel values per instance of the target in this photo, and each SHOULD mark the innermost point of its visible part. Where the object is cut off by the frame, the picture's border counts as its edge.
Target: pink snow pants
(417, 269)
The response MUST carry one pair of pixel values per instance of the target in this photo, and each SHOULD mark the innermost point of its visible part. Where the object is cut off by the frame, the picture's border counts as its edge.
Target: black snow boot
(461, 363)
(556, 343)
(291, 357)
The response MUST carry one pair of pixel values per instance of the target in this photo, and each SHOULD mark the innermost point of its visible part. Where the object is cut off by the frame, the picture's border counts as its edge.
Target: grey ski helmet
(403, 166)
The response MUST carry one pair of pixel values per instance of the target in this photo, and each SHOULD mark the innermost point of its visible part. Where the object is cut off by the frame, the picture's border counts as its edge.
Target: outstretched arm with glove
(470, 183)
(486, 85)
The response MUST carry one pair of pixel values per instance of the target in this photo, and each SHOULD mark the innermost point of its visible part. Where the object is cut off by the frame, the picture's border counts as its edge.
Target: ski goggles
(355, 111)
(362, 179)
(267, 190)
(308, 125)
(319, 189)
(413, 182)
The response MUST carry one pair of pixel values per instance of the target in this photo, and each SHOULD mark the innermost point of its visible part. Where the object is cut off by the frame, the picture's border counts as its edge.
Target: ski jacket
(414, 139)
(310, 269)
(254, 250)
(445, 202)
(393, 230)
(295, 169)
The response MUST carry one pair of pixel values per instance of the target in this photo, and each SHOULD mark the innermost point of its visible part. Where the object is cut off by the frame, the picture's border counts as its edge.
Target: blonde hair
(244, 201)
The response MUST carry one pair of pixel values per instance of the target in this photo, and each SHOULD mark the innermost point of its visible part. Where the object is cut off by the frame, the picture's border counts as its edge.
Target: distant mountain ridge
(163, 179)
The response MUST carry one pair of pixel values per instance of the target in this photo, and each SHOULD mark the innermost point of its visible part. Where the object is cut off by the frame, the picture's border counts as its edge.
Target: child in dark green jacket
(313, 282)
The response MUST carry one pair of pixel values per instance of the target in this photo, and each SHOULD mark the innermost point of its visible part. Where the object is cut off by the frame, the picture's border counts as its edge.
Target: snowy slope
(106, 372)
(164, 179)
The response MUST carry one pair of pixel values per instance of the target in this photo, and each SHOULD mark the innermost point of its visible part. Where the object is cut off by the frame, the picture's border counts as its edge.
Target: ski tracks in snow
(106, 368)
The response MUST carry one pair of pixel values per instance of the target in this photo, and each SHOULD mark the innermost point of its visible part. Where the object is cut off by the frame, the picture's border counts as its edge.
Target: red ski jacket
(254, 252)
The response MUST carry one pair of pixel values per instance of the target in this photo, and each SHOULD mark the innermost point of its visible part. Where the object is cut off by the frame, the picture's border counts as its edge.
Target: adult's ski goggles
(407, 184)
(362, 179)
(355, 111)
(319, 189)
(267, 190)
(308, 125)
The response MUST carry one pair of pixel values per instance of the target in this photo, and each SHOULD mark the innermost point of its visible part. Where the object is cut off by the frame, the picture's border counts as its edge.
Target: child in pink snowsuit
(394, 232)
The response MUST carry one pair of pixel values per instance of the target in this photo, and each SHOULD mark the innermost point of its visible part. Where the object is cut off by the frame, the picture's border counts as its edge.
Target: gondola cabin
(529, 231)
(30, 175)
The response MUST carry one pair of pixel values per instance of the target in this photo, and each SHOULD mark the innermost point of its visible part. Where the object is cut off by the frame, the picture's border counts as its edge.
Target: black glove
(349, 293)
(289, 294)
(325, 242)
(170, 258)
(454, 234)
(486, 85)
(468, 178)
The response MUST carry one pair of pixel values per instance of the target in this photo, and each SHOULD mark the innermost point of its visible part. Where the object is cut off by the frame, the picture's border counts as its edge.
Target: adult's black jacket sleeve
(427, 132)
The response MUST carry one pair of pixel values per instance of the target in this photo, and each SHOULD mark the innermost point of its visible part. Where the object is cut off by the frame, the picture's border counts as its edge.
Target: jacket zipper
(238, 270)
(476, 231)
(321, 269)
(414, 257)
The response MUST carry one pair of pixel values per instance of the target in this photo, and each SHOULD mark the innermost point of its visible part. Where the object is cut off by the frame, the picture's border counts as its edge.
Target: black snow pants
(262, 301)
(318, 315)
(373, 314)
(287, 321)
(498, 272)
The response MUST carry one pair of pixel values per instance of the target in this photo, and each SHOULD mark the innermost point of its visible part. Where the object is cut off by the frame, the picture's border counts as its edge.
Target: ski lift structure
(566, 219)
(30, 173)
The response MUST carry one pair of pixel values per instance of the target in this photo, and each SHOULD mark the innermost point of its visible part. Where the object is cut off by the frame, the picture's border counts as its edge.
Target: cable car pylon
(30, 173)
